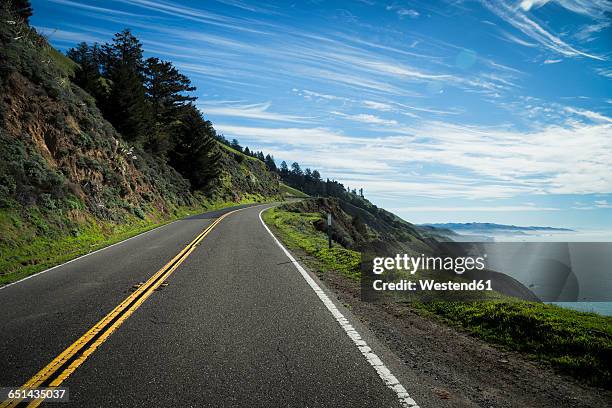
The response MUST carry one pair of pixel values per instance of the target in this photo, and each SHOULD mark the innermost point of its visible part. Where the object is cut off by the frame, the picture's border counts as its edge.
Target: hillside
(69, 182)
(356, 228)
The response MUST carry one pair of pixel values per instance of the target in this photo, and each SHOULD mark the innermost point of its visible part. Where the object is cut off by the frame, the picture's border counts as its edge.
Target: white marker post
(329, 229)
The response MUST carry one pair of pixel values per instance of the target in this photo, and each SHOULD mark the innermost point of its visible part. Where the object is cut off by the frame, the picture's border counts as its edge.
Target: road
(238, 324)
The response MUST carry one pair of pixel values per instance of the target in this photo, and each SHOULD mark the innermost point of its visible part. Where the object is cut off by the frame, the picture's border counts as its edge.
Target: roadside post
(329, 221)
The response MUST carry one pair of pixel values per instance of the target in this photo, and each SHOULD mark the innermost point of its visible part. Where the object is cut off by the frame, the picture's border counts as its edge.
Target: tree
(247, 151)
(235, 145)
(284, 169)
(23, 8)
(126, 107)
(296, 169)
(87, 75)
(196, 154)
(165, 91)
(270, 164)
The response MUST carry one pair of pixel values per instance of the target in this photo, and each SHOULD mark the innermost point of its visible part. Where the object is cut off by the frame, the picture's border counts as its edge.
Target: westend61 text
(432, 285)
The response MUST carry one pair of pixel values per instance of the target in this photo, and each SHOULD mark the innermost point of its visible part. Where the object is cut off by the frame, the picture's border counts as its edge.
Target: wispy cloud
(251, 111)
(603, 204)
(403, 11)
(195, 14)
(587, 33)
(70, 37)
(606, 72)
(595, 116)
(312, 94)
(383, 107)
(517, 18)
(367, 118)
(96, 9)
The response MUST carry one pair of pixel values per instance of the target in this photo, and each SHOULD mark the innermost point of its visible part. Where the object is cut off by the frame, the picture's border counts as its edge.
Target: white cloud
(531, 29)
(486, 162)
(311, 94)
(595, 9)
(595, 116)
(587, 33)
(528, 4)
(602, 204)
(383, 107)
(95, 8)
(604, 72)
(367, 118)
(403, 11)
(552, 61)
(251, 111)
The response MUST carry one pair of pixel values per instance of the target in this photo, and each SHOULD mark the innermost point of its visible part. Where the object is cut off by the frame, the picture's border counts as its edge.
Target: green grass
(33, 240)
(288, 191)
(297, 232)
(576, 342)
(579, 343)
(231, 149)
(65, 64)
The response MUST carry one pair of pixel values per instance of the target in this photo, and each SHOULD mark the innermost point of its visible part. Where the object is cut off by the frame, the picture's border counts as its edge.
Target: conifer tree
(166, 90)
(270, 164)
(126, 107)
(87, 75)
(196, 154)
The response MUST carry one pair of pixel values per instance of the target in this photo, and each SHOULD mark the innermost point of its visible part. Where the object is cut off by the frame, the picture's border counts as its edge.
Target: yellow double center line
(70, 359)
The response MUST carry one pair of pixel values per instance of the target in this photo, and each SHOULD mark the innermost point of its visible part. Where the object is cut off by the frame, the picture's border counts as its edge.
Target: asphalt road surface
(238, 324)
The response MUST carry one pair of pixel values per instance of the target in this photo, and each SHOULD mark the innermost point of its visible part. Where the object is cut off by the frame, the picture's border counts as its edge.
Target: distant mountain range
(490, 227)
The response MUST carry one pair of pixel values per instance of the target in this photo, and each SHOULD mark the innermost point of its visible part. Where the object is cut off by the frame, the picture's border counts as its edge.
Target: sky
(449, 111)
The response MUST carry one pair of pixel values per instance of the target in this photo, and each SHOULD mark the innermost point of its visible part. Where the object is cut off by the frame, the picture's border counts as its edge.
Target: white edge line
(83, 256)
(385, 374)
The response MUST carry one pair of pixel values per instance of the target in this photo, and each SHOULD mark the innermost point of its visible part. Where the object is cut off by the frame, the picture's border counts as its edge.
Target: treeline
(307, 180)
(149, 102)
(311, 182)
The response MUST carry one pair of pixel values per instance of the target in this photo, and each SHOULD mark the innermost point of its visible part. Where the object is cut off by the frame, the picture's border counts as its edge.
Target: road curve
(237, 325)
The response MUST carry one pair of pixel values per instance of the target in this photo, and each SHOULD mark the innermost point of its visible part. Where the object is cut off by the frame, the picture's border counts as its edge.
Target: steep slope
(362, 230)
(68, 181)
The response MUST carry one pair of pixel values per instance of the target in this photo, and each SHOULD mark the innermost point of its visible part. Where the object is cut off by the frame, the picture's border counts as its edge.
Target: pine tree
(196, 154)
(126, 107)
(316, 176)
(235, 145)
(88, 75)
(284, 169)
(269, 160)
(165, 90)
(296, 169)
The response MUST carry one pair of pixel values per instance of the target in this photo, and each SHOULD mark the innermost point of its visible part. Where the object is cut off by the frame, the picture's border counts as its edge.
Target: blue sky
(442, 111)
